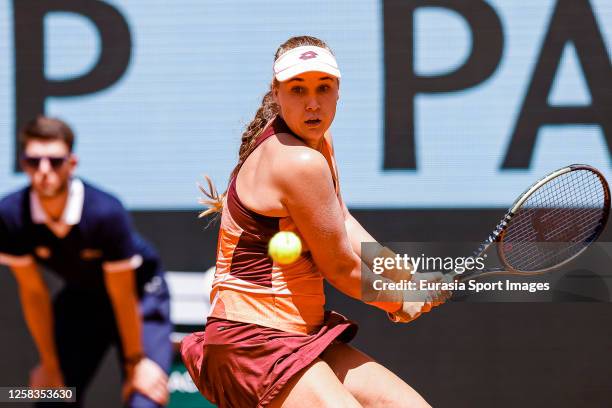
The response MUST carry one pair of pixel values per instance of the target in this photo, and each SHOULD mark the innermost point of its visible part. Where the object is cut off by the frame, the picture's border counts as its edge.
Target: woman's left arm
(355, 231)
(358, 235)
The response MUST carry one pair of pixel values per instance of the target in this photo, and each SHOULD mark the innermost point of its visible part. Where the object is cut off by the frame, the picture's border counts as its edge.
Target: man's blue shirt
(104, 234)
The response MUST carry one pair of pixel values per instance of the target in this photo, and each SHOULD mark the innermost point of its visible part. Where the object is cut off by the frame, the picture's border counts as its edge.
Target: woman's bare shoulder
(292, 155)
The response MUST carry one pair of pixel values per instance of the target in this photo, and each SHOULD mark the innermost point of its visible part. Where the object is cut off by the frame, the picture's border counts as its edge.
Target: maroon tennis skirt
(236, 364)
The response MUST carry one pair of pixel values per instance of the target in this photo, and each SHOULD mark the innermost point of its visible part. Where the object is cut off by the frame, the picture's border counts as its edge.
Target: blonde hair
(266, 112)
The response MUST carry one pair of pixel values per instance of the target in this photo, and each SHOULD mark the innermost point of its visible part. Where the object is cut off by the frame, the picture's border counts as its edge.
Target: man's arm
(121, 288)
(121, 261)
(37, 310)
(142, 374)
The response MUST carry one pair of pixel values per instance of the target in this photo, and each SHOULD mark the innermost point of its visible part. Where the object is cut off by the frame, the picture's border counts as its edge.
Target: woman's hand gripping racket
(550, 224)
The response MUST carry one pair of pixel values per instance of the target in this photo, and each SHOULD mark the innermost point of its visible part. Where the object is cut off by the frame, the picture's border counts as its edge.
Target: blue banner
(443, 104)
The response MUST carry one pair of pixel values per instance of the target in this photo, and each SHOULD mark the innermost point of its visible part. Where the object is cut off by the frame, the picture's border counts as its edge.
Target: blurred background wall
(448, 111)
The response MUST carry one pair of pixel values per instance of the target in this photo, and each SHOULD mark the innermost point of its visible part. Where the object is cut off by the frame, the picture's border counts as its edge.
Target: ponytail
(266, 112)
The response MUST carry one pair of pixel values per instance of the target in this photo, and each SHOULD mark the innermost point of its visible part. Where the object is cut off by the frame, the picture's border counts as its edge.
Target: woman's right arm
(305, 182)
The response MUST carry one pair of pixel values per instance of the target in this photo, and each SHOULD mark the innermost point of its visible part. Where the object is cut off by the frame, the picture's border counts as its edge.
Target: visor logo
(308, 55)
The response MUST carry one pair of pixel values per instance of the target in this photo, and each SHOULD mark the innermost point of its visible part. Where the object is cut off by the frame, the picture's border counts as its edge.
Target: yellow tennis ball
(285, 247)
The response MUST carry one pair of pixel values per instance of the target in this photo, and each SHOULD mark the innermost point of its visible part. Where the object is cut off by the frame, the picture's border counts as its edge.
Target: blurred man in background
(114, 290)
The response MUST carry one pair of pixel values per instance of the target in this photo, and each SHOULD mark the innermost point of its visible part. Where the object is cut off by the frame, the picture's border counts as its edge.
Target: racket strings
(523, 226)
(556, 222)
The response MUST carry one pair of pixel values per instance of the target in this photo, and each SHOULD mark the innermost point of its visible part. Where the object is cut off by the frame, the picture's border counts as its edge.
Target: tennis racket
(551, 223)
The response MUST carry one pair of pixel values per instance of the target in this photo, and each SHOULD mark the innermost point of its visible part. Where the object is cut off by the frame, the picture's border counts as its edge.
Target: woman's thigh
(314, 386)
(369, 382)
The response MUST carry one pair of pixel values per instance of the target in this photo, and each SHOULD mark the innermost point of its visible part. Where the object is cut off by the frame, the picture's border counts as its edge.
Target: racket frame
(497, 236)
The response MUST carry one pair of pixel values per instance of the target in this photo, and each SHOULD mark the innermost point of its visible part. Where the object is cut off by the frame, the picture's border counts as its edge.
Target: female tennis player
(268, 340)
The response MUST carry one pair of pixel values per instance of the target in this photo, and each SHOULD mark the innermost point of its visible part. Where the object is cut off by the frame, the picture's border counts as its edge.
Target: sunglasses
(33, 162)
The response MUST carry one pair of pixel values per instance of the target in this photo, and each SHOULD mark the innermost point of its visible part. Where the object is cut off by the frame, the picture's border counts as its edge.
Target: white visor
(305, 59)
